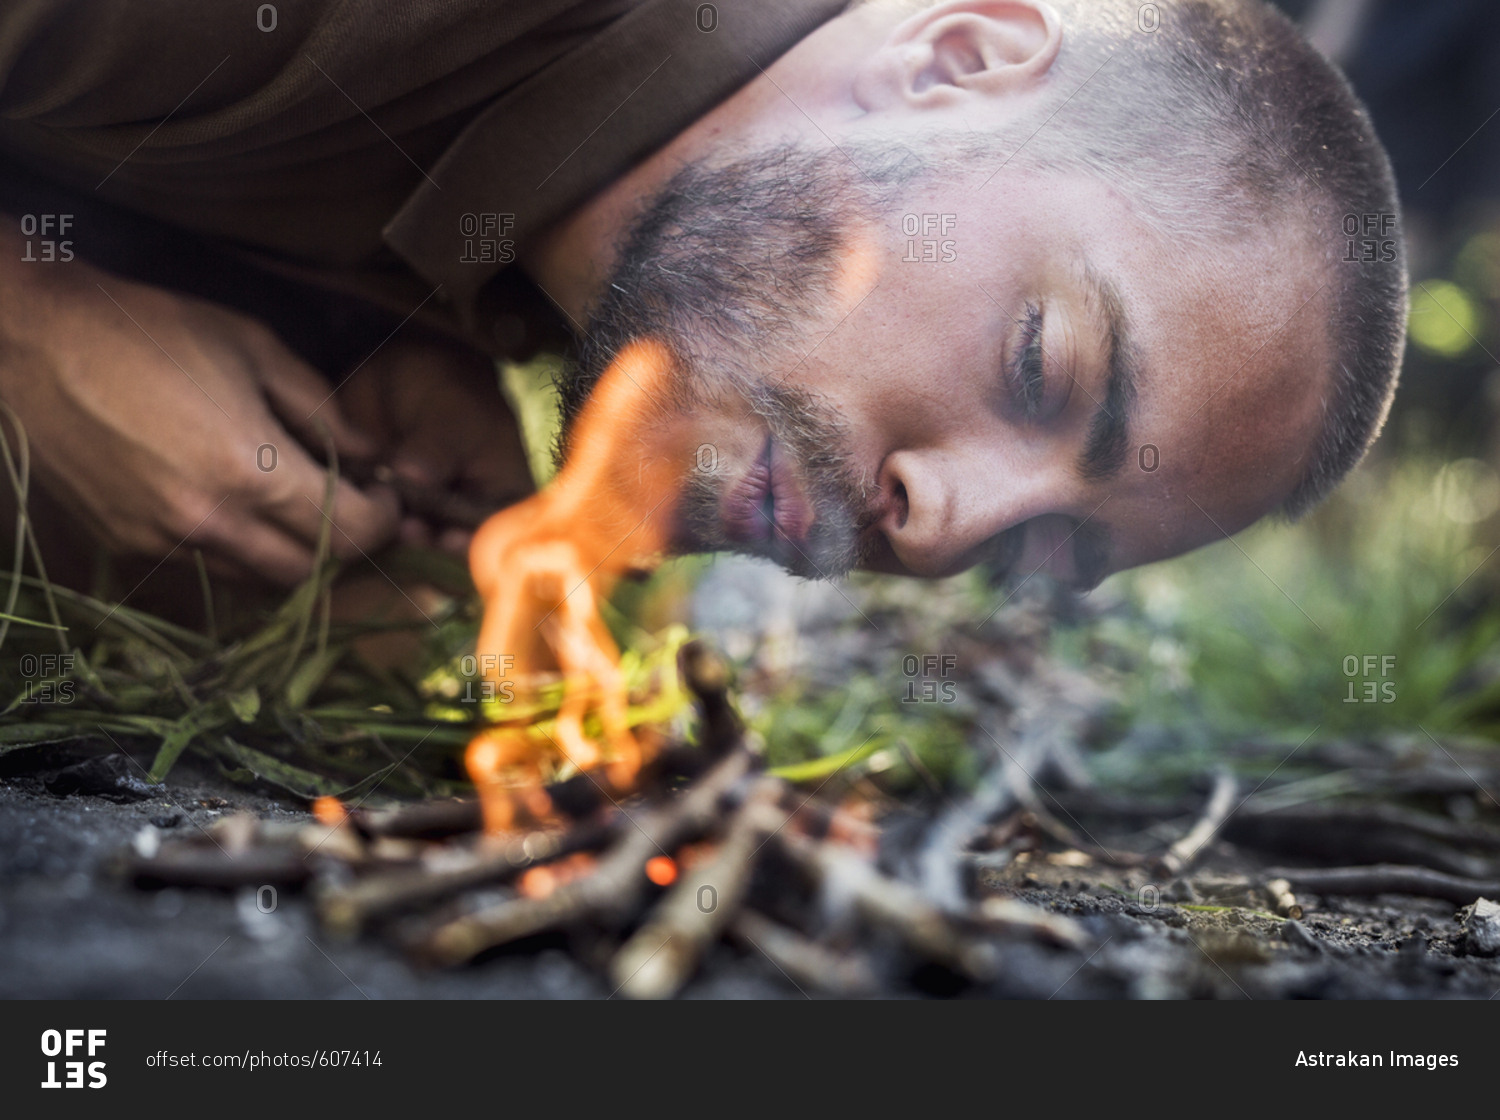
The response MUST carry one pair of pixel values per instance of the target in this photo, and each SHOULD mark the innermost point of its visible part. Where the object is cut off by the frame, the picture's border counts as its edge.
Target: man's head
(1061, 288)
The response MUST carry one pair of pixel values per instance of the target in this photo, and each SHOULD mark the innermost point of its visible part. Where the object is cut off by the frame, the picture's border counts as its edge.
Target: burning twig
(665, 952)
(348, 908)
(345, 910)
(611, 893)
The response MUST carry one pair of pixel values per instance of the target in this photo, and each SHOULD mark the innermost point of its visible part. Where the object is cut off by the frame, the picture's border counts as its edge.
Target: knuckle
(256, 336)
(133, 538)
(189, 517)
(350, 537)
(188, 521)
(287, 571)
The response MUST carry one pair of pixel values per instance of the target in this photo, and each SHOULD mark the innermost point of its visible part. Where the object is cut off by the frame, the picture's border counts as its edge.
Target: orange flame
(329, 811)
(543, 566)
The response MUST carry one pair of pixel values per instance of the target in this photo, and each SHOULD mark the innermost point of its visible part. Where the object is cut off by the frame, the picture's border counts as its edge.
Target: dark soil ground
(70, 927)
(1388, 947)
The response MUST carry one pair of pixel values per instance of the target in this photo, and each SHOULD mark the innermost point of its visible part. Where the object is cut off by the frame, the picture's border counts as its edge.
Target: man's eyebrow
(1109, 431)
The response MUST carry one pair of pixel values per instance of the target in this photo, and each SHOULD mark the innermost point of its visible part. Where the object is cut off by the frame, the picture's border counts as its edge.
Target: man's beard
(726, 267)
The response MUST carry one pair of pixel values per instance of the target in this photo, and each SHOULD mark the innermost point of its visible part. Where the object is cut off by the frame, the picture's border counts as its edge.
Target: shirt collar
(581, 122)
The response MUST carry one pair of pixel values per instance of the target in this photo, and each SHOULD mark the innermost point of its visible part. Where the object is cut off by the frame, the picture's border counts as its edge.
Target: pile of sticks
(712, 849)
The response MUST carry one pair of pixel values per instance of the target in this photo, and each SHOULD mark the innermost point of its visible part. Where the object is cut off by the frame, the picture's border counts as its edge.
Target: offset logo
(1370, 238)
(927, 237)
(50, 230)
(74, 1045)
(487, 238)
(933, 671)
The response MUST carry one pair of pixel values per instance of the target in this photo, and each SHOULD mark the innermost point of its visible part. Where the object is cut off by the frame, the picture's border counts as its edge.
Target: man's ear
(960, 49)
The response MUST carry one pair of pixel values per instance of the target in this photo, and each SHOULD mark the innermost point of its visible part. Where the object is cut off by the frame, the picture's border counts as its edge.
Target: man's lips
(768, 503)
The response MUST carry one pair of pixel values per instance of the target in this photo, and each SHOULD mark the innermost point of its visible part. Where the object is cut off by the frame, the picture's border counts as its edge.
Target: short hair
(1266, 125)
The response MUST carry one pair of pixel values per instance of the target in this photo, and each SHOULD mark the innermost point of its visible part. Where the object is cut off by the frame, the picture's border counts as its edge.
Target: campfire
(709, 847)
(589, 817)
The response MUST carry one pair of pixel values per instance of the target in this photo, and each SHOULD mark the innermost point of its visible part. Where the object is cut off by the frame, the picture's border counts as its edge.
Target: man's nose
(947, 507)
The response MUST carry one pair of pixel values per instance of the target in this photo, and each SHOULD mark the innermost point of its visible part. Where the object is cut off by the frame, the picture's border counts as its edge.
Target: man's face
(1020, 374)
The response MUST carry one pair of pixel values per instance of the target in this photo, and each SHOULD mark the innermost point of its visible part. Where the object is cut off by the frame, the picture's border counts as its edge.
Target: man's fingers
(428, 456)
(304, 401)
(446, 432)
(362, 520)
(415, 532)
(439, 400)
(236, 543)
(456, 541)
(279, 540)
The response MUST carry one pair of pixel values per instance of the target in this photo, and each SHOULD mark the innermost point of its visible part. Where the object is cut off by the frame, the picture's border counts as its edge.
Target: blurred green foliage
(1376, 614)
(1445, 318)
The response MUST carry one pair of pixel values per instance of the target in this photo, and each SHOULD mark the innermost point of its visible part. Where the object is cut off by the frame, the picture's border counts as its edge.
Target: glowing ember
(690, 856)
(661, 870)
(539, 882)
(542, 568)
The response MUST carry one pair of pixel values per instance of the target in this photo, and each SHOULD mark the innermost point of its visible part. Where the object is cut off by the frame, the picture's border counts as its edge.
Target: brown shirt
(401, 150)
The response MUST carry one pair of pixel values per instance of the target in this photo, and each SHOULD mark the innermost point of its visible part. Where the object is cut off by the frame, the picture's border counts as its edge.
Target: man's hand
(165, 422)
(441, 424)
